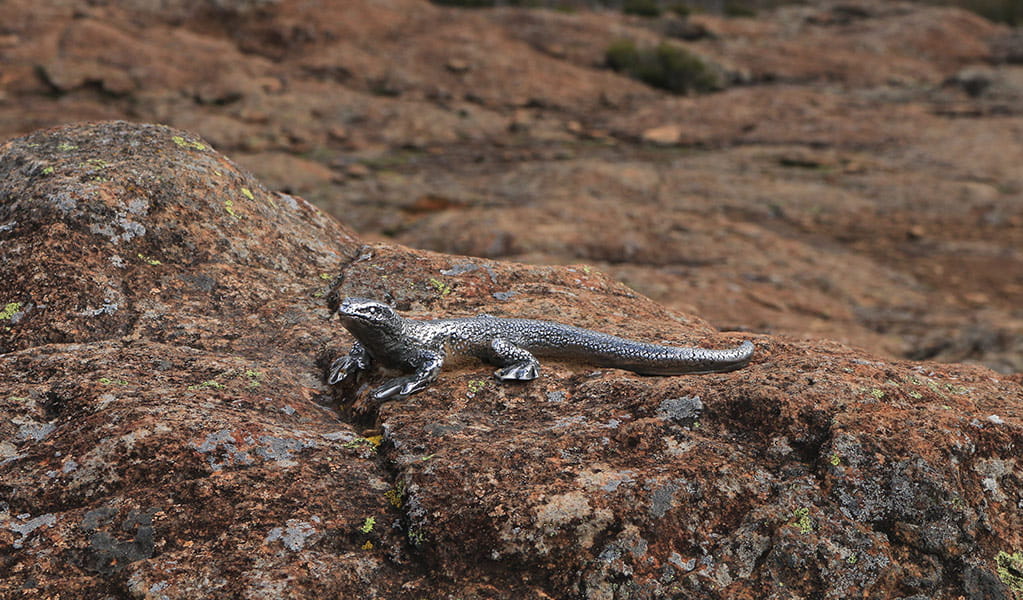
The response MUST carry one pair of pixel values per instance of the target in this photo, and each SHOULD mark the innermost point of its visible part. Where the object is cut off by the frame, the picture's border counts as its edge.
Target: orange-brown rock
(164, 431)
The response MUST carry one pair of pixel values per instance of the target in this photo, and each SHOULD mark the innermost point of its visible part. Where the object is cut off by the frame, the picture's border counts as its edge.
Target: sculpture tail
(671, 360)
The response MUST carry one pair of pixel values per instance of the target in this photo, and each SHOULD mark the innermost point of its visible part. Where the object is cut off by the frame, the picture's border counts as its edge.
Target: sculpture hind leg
(516, 364)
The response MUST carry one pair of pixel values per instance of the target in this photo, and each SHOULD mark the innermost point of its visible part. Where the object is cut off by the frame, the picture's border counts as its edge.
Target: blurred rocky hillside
(846, 170)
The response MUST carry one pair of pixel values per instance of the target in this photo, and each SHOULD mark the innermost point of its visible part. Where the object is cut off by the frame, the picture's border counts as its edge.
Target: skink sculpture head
(363, 314)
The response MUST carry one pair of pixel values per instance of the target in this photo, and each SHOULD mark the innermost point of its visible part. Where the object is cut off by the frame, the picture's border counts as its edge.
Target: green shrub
(738, 9)
(681, 9)
(621, 55)
(642, 8)
(1003, 11)
(663, 66)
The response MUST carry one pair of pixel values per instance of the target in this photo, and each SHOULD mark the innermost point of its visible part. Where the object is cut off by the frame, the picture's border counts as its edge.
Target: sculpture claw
(340, 369)
(399, 388)
(524, 371)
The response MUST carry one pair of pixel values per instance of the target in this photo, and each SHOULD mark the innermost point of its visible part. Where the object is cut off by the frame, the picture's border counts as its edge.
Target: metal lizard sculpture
(421, 348)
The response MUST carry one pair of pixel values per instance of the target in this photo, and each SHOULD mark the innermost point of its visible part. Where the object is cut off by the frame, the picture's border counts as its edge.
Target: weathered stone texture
(164, 432)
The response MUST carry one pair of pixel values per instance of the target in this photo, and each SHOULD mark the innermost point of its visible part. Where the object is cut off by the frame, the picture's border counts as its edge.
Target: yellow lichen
(187, 144)
(802, 520)
(440, 286)
(1010, 570)
(363, 443)
(393, 496)
(206, 385)
(255, 378)
(474, 387)
(10, 310)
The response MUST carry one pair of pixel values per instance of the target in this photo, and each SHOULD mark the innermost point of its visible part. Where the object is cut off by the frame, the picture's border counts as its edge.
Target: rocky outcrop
(165, 432)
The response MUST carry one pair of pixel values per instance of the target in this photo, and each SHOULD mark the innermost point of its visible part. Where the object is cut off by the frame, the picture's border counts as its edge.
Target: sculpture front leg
(426, 373)
(356, 360)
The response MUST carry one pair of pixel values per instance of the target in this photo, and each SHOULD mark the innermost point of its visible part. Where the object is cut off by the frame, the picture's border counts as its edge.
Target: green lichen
(229, 207)
(835, 460)
(248, 193)
(98, 163)
(47, 170)
(326, 276)
(475, 386)
(1010, 571)
(10, 309)
(417, 536)
(879, 394)
(802, 521)
(149, 261)
(66, 147)
(206, 385)
(368, 524)
(109, 381)
(440, 286)
(255, 378)
(187, 144)
(957, 389)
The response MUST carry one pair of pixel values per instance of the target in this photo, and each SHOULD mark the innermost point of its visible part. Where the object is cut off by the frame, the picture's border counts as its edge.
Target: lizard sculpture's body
(421, 347)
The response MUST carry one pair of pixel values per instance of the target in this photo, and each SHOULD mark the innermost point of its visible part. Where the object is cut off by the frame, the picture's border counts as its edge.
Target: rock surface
(165, 432)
